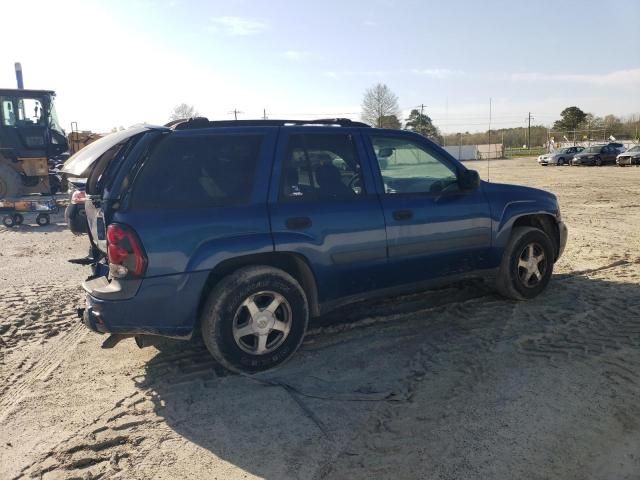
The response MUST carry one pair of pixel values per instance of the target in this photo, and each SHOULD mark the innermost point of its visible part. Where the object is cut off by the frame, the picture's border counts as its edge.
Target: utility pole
(529, 118)
(422, 105)
(264, 114)
(235, 112)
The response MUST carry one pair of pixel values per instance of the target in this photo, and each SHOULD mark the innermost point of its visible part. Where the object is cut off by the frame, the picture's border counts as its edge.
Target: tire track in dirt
(104, 447)
(38, 328)
(587, 320)
(117, 441)
(456, 336)
(36, 313)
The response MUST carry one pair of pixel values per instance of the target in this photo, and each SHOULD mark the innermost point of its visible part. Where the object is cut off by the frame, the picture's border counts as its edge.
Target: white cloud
(618, 77)
(295, 55)
(370, 23)
(238, 26)
(439, 73)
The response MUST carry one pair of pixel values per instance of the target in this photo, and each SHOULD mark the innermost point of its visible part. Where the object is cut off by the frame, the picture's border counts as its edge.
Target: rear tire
(255, 319)
(10, 184)
(527, 264)
(43, 219)
(598, 162)
(8, 221)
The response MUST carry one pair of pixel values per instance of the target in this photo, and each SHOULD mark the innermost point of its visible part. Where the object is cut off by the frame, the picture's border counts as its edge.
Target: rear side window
(198, 171)
(321, 166)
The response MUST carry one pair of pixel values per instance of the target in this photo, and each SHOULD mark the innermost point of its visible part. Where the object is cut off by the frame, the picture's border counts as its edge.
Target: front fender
(508, 203)
(511, 213)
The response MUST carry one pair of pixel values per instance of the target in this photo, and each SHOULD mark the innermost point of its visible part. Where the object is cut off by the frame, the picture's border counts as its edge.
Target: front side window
(408, 167)
(19, 112)
(30, 112)
(198, 171)
(321, 167)
(8, 113)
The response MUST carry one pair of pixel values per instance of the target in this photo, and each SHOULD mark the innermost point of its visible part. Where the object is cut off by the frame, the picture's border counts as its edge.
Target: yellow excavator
(31, 140)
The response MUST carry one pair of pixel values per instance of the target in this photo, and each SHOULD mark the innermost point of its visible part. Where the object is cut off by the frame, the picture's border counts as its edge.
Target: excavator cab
(30, 140)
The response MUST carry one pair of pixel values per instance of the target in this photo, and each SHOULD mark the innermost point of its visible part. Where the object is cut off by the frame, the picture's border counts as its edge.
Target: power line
(529, 118)
(235, 112)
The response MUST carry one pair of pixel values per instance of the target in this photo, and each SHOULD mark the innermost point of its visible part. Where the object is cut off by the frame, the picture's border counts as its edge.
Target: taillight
(78, 197)
(125, 253)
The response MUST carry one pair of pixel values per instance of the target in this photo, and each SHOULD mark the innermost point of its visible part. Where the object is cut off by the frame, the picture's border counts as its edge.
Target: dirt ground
(453, 384)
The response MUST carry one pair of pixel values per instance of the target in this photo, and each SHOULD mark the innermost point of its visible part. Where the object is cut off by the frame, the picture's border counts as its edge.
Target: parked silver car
(630, 157)
(561, 157)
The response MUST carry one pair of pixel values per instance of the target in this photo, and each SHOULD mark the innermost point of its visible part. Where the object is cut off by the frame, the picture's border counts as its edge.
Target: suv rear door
(201, 197)
(97, 165)
(434, 228)
(323, 207)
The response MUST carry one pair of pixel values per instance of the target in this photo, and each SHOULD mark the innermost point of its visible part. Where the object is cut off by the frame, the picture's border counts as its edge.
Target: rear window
(198, 171)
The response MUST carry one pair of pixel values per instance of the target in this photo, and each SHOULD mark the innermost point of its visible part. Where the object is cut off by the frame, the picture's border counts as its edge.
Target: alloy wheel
(262, 323)
(532, 265)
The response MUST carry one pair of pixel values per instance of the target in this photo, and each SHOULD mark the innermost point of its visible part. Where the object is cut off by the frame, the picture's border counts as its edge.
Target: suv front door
(323, 207)
(434, 227)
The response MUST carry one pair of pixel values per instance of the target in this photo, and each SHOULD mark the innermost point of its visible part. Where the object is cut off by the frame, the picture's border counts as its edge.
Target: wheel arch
(294, 264)
(543, 221)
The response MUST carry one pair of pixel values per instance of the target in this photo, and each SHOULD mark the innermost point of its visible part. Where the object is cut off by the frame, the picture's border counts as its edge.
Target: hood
(502, 194)
(634, 154)
(79, 164)
(522, 192)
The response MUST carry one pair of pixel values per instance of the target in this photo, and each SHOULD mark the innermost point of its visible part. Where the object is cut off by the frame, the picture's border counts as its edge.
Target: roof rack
(203, 122)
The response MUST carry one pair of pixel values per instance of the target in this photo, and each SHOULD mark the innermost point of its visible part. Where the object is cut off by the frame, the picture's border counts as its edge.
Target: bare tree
(183, 111)
(379, 102)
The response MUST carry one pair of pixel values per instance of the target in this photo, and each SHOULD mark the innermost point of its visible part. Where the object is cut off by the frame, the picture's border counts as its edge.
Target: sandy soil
(457, 383)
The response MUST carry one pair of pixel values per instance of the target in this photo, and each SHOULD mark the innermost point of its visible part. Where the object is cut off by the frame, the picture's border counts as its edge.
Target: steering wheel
(441, 187)
(355, 181)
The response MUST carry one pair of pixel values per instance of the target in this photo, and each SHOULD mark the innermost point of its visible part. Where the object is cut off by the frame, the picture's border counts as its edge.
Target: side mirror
(469, 180)
(385, 152)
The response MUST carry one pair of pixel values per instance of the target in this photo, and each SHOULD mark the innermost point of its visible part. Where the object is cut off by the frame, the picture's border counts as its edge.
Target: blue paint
(354, 247)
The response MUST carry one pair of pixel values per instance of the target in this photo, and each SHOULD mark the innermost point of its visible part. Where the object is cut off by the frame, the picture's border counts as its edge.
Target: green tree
(572, 118)
(390, 121)
(379, 102)
(421, 123)
(612, 124)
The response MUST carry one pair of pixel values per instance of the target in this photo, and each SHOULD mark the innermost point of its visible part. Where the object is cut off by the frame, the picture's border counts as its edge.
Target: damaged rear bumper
(164, 306)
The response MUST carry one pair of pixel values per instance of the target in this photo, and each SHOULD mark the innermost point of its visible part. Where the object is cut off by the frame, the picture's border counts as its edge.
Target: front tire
(255, 319)
(527, 264)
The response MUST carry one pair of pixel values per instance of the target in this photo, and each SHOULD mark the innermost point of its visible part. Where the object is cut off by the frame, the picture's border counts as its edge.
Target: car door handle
(402, 214)
(298, 223)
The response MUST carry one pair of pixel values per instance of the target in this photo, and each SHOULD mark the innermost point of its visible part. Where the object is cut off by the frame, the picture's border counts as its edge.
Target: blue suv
(244, 230)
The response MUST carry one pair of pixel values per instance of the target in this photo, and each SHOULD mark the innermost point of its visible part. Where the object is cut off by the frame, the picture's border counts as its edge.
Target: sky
(117, 63)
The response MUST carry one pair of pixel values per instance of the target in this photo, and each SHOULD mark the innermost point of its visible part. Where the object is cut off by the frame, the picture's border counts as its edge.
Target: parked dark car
(597, 155)
(244, 230)
(620, 148)
(629, 157)
(74, 214)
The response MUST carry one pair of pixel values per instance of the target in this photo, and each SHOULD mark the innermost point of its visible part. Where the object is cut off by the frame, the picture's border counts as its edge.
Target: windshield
(22, 111)
(634, 149)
